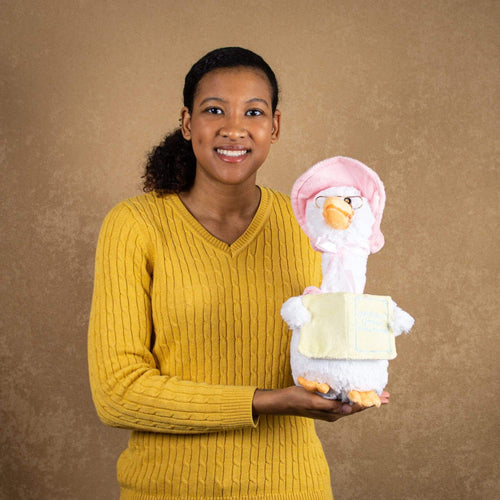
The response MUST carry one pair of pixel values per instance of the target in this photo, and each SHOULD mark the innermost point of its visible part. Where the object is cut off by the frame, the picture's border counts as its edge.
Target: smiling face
(231, 125)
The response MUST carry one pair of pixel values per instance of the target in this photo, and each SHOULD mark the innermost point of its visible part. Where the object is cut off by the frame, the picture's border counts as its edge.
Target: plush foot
(365, 399)
(313, 386)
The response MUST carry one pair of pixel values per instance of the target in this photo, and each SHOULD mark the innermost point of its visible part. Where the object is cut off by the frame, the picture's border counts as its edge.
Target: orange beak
(337, 213)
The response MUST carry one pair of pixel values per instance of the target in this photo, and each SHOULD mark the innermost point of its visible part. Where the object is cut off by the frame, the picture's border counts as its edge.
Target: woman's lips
(232, 155)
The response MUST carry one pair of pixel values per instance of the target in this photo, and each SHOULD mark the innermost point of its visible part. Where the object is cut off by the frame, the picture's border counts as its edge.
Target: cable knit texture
(183, 329)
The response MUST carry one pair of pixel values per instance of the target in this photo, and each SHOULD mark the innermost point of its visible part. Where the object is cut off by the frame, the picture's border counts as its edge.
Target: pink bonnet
(335, 172)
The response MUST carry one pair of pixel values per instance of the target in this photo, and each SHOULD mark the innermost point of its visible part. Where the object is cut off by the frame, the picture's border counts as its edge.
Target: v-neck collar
(260, 217)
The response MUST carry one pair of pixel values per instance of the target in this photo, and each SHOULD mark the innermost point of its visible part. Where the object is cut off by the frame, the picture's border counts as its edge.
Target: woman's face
(231, 126)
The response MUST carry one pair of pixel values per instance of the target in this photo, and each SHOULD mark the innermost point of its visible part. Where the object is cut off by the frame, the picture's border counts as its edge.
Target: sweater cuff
(239, 408)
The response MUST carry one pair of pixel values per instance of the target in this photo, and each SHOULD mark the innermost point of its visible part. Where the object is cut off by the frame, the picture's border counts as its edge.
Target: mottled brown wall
(410, 88)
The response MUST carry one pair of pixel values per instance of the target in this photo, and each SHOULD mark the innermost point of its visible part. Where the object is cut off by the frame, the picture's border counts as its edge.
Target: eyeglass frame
(344, 198)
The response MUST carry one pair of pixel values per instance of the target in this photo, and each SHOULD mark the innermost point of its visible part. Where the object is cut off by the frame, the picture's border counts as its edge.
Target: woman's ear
(275, 132)
(185, 123)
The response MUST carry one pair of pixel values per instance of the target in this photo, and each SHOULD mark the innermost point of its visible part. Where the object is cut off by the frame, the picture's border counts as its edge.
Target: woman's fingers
(295, 400)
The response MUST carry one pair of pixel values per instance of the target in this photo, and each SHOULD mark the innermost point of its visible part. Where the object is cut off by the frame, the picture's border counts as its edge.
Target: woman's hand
(297, 401)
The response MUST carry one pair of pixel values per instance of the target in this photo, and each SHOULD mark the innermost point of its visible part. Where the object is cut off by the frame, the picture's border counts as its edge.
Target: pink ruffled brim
(341, 171)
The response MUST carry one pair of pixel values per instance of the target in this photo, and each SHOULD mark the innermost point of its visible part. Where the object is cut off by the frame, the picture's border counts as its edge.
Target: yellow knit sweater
(183, 329)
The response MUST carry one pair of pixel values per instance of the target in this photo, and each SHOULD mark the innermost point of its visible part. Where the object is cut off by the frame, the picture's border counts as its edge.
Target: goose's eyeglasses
(355, 201)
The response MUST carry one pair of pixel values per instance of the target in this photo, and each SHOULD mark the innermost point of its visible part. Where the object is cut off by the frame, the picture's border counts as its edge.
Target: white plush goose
(339, 204)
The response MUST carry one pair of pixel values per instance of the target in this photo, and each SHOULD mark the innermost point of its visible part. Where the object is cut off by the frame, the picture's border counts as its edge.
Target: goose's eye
(348, 200)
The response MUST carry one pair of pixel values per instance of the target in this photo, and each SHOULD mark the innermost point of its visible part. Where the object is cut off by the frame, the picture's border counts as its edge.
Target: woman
(186, 344)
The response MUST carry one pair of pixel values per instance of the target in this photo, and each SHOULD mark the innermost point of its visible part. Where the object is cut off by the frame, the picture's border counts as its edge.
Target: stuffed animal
(342, 339)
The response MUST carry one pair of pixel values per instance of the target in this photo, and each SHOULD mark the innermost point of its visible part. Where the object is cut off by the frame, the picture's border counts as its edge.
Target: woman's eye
(254, 112)
(214, 111)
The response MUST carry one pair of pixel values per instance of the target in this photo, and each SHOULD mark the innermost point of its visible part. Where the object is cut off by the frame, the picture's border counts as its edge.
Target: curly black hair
(171, 166)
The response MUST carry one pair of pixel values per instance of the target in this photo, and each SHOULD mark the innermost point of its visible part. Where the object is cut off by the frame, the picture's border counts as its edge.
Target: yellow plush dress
(183, 329)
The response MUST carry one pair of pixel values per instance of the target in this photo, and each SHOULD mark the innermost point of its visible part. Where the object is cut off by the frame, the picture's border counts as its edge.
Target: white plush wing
(402, 322)
(294, 313)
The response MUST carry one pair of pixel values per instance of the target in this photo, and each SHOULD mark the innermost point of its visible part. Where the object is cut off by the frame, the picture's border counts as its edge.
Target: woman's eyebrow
(258, 99)
(219, 99)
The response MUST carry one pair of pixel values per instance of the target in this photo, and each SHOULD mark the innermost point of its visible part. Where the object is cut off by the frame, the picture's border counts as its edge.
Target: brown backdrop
(410, 88)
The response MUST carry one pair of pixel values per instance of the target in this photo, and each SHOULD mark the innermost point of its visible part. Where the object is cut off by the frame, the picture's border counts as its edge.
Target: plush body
(341, 375)
(345, 240)
(183, 329)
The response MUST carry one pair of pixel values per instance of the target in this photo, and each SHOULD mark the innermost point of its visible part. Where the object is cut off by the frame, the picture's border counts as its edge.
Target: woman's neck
(223, 210)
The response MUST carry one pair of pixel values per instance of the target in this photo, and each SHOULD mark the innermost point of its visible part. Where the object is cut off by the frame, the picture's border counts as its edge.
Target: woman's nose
(233, 129)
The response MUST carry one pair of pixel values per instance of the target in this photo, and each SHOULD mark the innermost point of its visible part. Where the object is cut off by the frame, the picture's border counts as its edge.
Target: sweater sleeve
(127, 388)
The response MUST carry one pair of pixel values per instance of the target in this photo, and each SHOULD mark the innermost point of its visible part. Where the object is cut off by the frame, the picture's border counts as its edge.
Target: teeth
(227, 152)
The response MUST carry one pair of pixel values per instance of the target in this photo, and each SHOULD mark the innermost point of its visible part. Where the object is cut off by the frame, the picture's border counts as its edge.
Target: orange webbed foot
(366, 398)
(313, 386)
